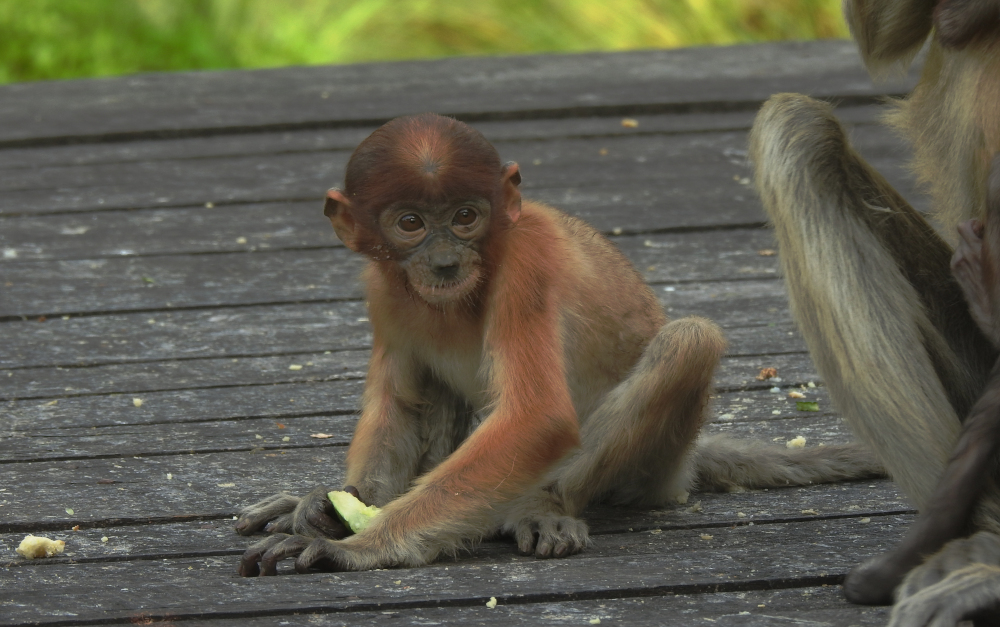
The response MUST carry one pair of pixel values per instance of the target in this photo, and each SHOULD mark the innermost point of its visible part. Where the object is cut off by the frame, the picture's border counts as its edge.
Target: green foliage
(42, 39)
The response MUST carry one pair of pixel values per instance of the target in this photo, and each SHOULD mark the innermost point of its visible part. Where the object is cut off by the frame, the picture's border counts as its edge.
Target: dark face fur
(439, 244)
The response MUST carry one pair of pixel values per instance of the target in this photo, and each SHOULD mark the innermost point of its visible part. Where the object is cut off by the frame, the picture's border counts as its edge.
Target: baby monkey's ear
(341, 213)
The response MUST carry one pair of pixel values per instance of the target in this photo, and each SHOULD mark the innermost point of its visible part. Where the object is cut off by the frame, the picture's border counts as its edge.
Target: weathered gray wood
(267, 329)
(322, 140)
(797, 607)
(277, 401)
(169, 376)
(499, 87)
(107, 285)
(215, 536)
(199, 484)
(631, 565)
(178, 434)
(690, 170)
(281, 401)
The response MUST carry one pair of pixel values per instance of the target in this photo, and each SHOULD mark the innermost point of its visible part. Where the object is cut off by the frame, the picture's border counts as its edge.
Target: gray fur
(722, 463)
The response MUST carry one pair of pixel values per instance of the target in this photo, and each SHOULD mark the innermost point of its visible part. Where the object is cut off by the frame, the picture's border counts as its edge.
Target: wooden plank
(796, 607)
(149, 540)
(215, 373)
(270, 330)
(695, 166)
(211, 484)
(177, 433)
(643, 564)
(194, 103)
(284, 400)
(56, 288)
(322, 140)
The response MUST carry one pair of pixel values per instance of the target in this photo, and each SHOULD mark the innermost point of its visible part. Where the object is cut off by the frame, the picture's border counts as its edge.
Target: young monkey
(520, 369)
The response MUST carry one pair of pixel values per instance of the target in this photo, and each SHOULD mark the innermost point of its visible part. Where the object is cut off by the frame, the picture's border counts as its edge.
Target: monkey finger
(548, 537)
(315, 516)
(281, 524)
(254, 517)
(321, 554)
(248, 562)
(526, 536)
(289, 546)
(575, 537)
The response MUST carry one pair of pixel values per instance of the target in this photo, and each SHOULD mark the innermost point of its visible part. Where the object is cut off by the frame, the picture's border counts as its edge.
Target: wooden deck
(162, 239)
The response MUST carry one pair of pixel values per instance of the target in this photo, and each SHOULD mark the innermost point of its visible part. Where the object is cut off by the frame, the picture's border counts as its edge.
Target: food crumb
(104, 538)
(794, 394)
(811, 512)
(616, 231)
(767, 373)
(740, 515)
(767, 252)
(320, 436)
(76, 527)
(630, 123)
(285, 439)
(37, 546)
(137, 402)
(295, 367)
(775, 390)
(706, 536)
(696, 508)
(492, 603)
(682, 498)
(799, 442)
(865, 521)
(595, 621)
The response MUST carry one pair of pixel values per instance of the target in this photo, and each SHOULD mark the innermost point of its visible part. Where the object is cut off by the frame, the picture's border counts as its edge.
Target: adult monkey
(871, 288)
(516, 316)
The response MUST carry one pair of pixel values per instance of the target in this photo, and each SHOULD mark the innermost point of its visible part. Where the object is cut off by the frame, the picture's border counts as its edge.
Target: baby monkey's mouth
(445, 292)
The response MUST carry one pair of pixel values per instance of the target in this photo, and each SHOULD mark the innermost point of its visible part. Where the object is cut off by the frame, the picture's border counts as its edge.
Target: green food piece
(807, 405)
(353, 512)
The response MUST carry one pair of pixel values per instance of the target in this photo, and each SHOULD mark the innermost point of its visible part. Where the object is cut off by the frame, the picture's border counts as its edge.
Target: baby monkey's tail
(722, 463)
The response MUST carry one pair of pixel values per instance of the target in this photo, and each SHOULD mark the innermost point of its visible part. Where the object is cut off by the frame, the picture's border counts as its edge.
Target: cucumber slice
(353, 512)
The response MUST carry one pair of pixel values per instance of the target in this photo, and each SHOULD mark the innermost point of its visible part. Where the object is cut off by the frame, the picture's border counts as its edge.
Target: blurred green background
(44, 39)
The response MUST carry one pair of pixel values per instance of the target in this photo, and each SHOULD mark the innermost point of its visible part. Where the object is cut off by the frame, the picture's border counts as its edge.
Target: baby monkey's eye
(465, 216)
(410, 223)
